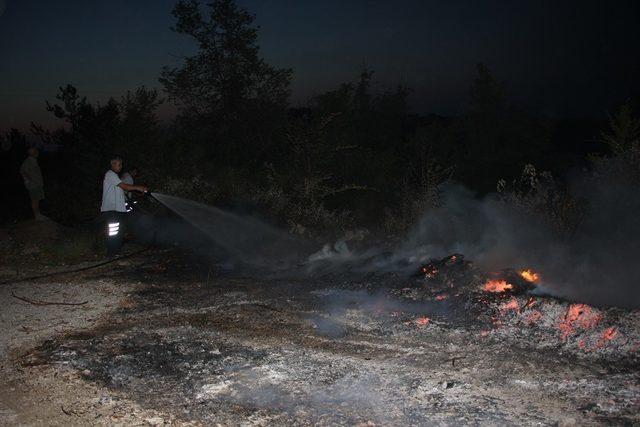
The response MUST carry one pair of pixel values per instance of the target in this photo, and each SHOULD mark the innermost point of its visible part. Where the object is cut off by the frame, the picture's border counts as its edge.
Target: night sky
(570, 59)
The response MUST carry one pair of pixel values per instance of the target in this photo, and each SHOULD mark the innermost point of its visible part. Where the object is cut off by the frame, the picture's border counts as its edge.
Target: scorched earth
(164, 338)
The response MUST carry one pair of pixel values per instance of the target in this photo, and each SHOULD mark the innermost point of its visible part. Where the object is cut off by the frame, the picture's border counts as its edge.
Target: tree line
(352, 155)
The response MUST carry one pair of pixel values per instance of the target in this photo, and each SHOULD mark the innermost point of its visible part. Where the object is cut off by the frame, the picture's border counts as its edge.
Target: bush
(540, 193)
(419, 190)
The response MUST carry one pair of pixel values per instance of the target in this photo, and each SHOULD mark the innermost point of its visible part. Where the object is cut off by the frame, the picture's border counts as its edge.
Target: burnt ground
(174, 339)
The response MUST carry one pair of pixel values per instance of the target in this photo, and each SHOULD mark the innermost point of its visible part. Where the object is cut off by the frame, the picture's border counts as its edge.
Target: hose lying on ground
(75, 270)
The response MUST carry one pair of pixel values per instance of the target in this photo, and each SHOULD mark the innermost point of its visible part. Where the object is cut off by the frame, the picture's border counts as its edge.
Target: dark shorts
(36, 193)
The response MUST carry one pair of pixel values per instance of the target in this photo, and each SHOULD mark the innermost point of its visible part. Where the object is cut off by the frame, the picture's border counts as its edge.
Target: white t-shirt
(112, 195)
(127, 178)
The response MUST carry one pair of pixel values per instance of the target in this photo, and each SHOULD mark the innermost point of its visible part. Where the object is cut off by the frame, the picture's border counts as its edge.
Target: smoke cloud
(595, 265)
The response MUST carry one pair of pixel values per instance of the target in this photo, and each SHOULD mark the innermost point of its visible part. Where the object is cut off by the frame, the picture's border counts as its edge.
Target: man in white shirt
(113, 205)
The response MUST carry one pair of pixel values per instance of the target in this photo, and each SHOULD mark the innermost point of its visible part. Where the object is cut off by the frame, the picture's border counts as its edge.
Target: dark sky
(565, 58)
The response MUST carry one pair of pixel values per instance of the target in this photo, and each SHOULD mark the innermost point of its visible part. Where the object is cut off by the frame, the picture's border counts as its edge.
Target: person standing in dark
(113, 205)
(33, 182)
(129, 178)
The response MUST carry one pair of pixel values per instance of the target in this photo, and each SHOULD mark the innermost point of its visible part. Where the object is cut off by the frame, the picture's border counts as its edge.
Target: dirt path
(53, 394)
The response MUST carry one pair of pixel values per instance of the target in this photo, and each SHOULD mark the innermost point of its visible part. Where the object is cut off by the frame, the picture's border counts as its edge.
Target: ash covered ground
(196, 345)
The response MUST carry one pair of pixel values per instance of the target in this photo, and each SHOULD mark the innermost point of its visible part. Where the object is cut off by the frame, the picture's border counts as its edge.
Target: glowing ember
(423, 321)
(578, 316)
(608, 335)
(430, 271)
(533, 317)
(497, 286)
(452, 260)
(511, 305)
(530, 276)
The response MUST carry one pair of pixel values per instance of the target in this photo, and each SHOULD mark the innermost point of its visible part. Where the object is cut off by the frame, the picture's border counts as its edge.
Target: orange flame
(497, 286)
(530, 276)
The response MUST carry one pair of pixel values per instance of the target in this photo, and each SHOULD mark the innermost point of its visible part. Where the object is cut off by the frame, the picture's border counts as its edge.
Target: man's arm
(129, 187)
(25, 175)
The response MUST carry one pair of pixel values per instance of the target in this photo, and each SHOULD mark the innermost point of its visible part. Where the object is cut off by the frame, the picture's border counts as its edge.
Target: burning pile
(503, 306)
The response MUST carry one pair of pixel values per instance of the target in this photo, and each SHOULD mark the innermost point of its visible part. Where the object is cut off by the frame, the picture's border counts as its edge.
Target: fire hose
(75, 270)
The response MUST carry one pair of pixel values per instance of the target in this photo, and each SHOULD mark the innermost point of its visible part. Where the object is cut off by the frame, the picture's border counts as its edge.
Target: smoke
(596, 264)
(342, 306)
(491, 233)
(604, 252)
(274, 385)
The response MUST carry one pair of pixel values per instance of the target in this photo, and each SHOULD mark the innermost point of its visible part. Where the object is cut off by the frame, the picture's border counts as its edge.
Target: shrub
(540, 193)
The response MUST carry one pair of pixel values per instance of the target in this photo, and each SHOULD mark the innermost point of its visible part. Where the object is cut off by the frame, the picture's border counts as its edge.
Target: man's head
(34, 152)
(116, 164)
(133, 171)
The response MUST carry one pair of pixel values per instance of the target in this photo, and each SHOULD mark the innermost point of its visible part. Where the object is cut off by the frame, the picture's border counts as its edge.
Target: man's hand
(129, 187)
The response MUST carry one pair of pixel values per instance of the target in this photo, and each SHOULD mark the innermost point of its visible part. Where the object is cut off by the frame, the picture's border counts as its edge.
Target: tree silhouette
(226, 90)
(227, 69)
(72, 106)
(487, 96)
(499, 138)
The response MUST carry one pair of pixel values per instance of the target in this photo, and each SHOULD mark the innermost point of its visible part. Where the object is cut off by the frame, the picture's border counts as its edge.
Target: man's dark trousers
(114, 224)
